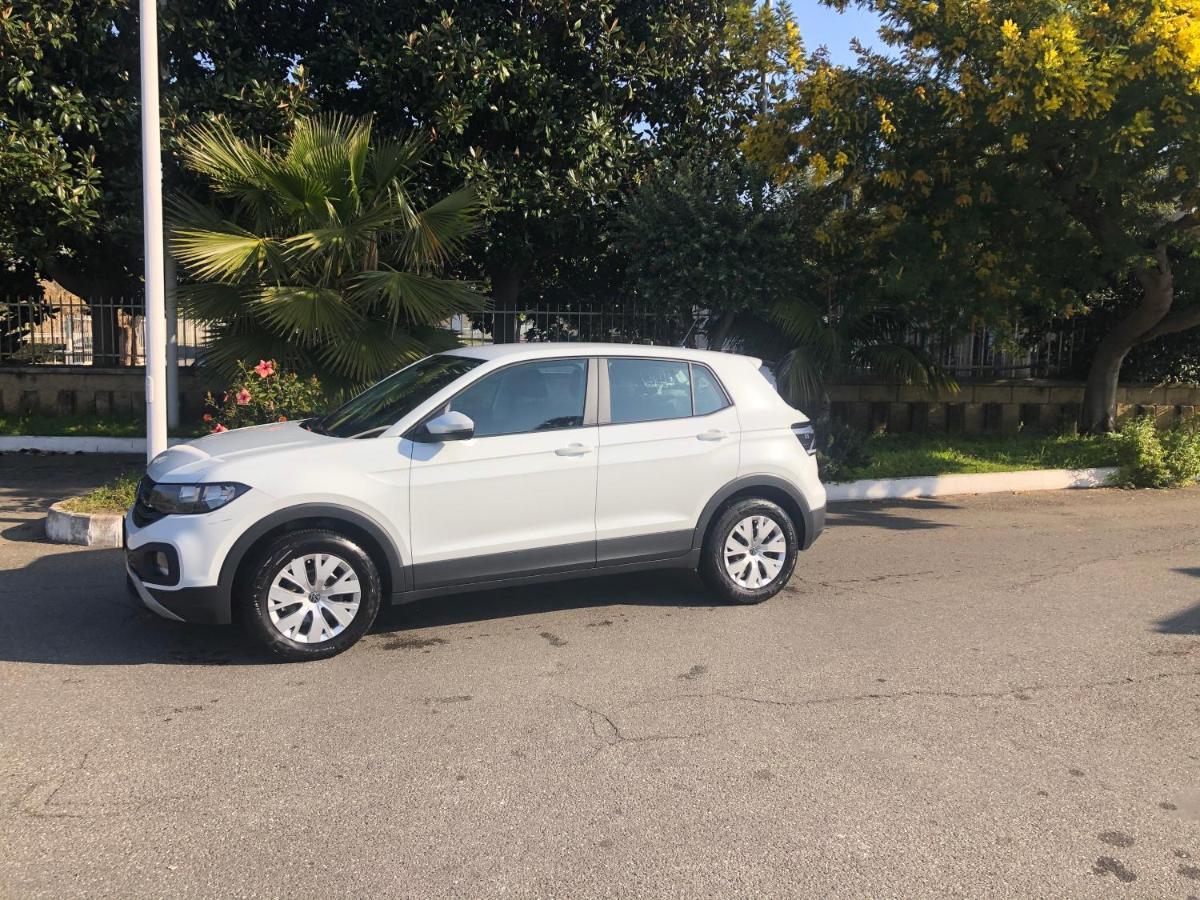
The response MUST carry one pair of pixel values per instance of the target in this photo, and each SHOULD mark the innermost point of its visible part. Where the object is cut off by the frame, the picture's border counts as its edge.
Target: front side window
(536, 396)
(384, 404)
(646, 390)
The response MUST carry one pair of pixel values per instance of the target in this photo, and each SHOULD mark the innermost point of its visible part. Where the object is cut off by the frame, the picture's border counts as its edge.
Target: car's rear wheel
(310, 594)
(750, 552)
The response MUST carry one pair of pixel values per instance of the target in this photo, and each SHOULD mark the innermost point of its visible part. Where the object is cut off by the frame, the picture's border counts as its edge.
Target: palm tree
(316, 253)
(856, 337)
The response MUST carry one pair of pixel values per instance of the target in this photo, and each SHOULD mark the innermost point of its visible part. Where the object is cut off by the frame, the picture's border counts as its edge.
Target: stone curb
(85, 529)
(949, 485)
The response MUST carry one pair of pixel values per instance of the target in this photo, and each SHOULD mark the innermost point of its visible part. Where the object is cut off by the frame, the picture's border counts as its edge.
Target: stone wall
(88, 390)
(1002, 407)
(977, 408)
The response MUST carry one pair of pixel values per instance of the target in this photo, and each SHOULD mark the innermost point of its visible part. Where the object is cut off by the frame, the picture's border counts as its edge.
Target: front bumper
(202, 605)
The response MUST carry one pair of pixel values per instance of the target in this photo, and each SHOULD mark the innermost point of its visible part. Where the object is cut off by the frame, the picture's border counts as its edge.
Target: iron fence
(110, 331)
(621, 323)
(97, 331)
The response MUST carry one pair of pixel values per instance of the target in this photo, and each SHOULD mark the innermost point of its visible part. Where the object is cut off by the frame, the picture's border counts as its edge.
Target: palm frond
(230, 254)
(800, 320)
(438, 231)
(904, 364)
(369, 354)
(415, 299)
(311, 314)
(214, 301)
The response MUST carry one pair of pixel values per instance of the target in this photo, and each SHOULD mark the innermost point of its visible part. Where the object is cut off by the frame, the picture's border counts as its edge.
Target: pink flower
(218, 428)
(207, 417)
(243, 397)
(265, 368)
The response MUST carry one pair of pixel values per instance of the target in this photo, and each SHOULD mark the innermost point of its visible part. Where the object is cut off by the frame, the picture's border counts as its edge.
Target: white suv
(481, 467)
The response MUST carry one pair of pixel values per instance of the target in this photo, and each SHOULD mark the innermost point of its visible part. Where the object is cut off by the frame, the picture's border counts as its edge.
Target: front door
(518, 498)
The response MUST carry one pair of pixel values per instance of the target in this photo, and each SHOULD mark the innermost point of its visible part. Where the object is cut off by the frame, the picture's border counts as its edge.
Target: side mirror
(449, 426)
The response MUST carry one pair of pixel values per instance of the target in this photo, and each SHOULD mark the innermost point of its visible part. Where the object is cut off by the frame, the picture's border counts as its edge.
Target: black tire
(712, 560)
(253, 608)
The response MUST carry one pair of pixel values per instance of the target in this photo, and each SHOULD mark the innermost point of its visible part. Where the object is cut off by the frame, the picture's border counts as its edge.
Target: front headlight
(187, 499)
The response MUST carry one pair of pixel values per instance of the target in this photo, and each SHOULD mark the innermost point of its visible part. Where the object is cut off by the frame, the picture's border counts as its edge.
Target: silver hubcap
(754, 551)
(313, 598)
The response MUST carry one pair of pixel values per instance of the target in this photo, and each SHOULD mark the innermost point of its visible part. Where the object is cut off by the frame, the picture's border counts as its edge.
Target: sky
(819, 24)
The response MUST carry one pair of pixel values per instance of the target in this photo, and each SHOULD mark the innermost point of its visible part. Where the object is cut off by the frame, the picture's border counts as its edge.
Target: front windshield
(384, 404)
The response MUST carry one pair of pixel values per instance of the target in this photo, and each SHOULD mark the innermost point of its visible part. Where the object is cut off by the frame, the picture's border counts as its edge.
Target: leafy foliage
(262, 394)
(70, 163)
(1158, 459)
(116, 496)
(550, 108)
(711, 237)
(319, 254)
(1021, 152)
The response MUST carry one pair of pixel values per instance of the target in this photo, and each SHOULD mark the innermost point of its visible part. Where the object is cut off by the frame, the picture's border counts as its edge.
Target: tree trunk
(1099, 412)
(505, 285)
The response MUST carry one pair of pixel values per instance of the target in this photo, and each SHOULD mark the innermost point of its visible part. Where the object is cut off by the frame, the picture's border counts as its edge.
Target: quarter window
(537, 396)
(707, 394)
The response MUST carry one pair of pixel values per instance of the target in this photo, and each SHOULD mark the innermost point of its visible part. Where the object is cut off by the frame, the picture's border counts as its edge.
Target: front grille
(143, 512)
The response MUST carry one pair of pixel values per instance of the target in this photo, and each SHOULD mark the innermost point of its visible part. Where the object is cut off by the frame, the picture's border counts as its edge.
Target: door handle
(573, 450)
(713, 434)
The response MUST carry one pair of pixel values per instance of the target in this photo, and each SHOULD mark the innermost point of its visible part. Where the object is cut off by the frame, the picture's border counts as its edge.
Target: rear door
(669, 438)
(518, 498)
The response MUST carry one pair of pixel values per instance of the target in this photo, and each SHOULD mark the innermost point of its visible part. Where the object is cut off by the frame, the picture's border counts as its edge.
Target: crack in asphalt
(607, 731)
(1020, 692)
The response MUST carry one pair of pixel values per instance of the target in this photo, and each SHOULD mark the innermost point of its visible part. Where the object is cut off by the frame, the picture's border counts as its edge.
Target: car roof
(514, 352)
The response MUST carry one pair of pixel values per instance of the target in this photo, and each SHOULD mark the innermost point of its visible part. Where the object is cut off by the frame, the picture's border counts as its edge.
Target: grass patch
(115, 497)
(901, 455)
(84, 426)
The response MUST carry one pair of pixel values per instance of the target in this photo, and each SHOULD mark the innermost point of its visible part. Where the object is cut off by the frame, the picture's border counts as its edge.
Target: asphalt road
(978, 696)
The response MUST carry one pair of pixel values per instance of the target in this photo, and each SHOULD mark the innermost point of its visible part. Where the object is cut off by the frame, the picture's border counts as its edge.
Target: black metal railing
(97, 331)
(622, 323)
(111, 331)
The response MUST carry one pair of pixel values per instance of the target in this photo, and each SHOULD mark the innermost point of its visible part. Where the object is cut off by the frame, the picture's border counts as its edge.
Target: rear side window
(643, 390)
(537, 396)
(707, 393)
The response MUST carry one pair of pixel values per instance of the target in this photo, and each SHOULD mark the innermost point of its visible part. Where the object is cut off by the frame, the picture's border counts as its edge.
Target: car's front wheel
(310, 594)
(750, 552)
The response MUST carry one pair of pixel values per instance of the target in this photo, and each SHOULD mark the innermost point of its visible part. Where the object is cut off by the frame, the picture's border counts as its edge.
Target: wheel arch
(353, 524)
(766, 487)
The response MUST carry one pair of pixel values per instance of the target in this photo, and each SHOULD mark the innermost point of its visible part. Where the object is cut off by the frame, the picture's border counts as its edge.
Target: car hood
(191, 459)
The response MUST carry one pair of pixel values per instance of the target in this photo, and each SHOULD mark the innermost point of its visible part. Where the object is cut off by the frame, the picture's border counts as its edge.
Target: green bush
(262, 394)
(115, 496)
(1158, 459)
(840, 450)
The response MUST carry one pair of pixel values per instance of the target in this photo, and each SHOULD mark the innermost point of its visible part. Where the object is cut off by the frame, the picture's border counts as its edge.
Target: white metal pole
(171, 282)
(152, 228)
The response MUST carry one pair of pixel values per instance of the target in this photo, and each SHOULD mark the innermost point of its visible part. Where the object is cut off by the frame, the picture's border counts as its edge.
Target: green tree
(1023, 152)
(549, 108)
(70, 163)
(317, 253)
(714, 239)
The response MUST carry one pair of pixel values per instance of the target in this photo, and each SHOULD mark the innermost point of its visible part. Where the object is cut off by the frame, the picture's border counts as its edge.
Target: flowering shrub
(262, 394)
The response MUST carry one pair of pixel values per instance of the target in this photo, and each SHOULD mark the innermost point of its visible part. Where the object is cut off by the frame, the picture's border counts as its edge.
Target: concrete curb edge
(985, 483)
(84, 529)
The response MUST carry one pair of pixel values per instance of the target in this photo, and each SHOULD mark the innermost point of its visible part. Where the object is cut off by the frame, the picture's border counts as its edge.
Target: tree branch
(1183, 222)
(1179, 321)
